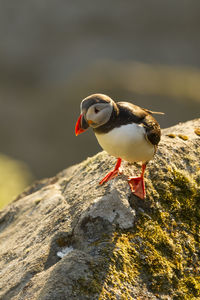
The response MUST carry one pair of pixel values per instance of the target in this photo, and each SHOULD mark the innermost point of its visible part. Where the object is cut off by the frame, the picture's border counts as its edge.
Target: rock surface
(69, 238)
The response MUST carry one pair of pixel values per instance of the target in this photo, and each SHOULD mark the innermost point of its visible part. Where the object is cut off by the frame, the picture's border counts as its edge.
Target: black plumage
(126, 113)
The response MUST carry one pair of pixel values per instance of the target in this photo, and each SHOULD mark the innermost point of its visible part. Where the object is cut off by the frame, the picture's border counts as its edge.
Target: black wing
(152, 128)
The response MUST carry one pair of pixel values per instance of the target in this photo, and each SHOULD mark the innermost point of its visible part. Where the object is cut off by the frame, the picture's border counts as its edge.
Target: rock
(69, 238)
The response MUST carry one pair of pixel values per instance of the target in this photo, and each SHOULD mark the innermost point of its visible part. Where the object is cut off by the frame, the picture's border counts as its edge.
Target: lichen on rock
(121, 247)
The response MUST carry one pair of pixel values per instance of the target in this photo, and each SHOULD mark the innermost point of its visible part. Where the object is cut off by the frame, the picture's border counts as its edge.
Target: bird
(125, 131)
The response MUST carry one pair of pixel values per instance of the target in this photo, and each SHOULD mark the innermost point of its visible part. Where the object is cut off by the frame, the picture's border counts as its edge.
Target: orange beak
(81, 125)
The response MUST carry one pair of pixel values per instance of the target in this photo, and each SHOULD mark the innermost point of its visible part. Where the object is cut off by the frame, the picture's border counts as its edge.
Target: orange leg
(137, 184)
(113, 173)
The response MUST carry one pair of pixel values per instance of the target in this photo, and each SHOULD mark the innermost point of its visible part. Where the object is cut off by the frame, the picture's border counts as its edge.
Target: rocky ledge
(69, 238)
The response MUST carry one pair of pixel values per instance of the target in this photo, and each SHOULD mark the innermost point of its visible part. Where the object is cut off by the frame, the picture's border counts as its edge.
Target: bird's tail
(154, 112)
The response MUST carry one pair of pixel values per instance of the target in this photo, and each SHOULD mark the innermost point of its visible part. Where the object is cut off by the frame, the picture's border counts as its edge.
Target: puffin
(125, 131)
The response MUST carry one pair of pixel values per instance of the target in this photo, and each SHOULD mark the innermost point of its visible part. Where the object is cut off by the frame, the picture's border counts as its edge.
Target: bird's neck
(108, 125)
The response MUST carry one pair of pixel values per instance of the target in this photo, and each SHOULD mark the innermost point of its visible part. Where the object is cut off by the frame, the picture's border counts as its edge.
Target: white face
(99, 114)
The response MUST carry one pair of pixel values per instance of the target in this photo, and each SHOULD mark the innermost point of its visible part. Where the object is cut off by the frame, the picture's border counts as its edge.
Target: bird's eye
(96, 110)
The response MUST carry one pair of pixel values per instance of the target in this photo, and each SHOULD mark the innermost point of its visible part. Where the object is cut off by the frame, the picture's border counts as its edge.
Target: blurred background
(55, 53)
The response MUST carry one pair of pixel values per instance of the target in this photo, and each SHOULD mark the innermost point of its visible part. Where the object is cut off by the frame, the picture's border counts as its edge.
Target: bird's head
(96, 110)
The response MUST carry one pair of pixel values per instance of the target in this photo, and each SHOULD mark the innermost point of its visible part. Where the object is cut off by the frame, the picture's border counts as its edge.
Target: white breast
(127, 142)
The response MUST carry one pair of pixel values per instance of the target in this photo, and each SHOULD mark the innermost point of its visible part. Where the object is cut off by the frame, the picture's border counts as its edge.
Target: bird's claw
(137, 186)
(109, 176)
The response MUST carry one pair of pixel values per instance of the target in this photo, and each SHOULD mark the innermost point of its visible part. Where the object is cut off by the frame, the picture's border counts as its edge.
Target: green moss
(142, 255)
(88, 286)
(14, 178)
(123, 267)
(163, 249)
(181, 198)
(192, 285)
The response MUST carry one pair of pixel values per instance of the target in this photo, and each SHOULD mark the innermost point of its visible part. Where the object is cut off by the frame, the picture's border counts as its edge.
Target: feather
(153, 112)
